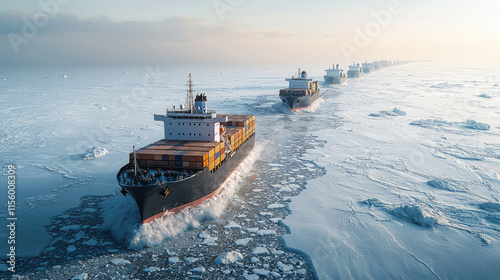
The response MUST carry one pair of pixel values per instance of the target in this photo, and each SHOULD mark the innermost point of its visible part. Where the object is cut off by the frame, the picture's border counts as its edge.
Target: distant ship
(335, 75)
(199, 151)
(367, 67)
(386, 63)
(354, 71)
(376, 65)
(301, 92)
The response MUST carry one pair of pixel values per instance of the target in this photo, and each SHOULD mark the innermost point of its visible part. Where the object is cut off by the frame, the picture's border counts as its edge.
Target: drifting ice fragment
(95, 152)
(83, 276)
(229, 257)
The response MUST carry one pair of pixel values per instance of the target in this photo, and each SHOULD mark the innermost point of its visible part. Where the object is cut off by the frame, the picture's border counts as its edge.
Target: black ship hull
(153, 203)
(294, 102)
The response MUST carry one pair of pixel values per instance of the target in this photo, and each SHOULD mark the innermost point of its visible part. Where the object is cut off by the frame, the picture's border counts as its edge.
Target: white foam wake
(121, 215)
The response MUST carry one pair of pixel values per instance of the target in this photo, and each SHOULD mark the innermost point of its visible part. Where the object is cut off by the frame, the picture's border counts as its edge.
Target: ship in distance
(198, 152)
(301, 92)
(335, 75)
(367, 67)
(354, 71)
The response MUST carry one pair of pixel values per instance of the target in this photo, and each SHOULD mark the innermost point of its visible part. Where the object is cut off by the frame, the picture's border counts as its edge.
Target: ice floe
(393, 112)
(229, 257)
(82, 276)
(260, 250)
(434, 123)
(151, 269)
(95, 152)
(421, 214)
(243, 241)
(119, 261)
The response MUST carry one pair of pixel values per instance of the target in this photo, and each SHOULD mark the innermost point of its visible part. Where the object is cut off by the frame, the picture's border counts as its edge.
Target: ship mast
(299, 73)
(189, 95)
(135, 164)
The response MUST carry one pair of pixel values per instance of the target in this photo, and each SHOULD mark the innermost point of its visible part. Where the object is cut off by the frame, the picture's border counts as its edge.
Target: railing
(189, 111)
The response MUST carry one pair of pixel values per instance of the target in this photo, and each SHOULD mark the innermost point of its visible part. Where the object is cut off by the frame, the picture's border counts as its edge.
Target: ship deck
(147, 177)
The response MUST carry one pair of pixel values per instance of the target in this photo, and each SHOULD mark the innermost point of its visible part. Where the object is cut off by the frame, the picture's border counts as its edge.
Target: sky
(241, 32)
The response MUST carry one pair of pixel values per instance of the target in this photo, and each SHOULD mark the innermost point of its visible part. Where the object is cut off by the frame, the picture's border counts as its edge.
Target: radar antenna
(189, 95)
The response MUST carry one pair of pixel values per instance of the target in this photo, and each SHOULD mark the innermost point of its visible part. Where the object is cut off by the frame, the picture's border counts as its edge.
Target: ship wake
(121, 216)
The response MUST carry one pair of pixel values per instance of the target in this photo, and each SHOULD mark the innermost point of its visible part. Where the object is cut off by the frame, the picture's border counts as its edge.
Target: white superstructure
(355, 68)
(194, 122)
(334, 72)
(300, 82)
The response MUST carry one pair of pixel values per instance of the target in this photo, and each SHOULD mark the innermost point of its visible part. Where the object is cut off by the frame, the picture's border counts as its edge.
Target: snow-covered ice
(229, 257)
(119, 261)
(260, 250)
(173, 260)
(243, 241)
(266, 231)
(151, 269)
(95, 152)
(403, 194)
(352, 195)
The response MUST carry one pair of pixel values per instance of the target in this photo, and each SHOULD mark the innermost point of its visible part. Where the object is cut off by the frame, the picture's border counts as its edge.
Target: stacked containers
(173, 154)
(179, 155)
(239, 128)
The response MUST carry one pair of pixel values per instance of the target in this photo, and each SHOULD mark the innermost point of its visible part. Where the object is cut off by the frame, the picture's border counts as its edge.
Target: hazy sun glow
(242, 32)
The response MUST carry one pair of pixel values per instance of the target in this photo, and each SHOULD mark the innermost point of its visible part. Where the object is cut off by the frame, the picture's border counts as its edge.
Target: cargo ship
(335, 75)
(367, 67)
(354, 71)
(198, 152)
(301, 92)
